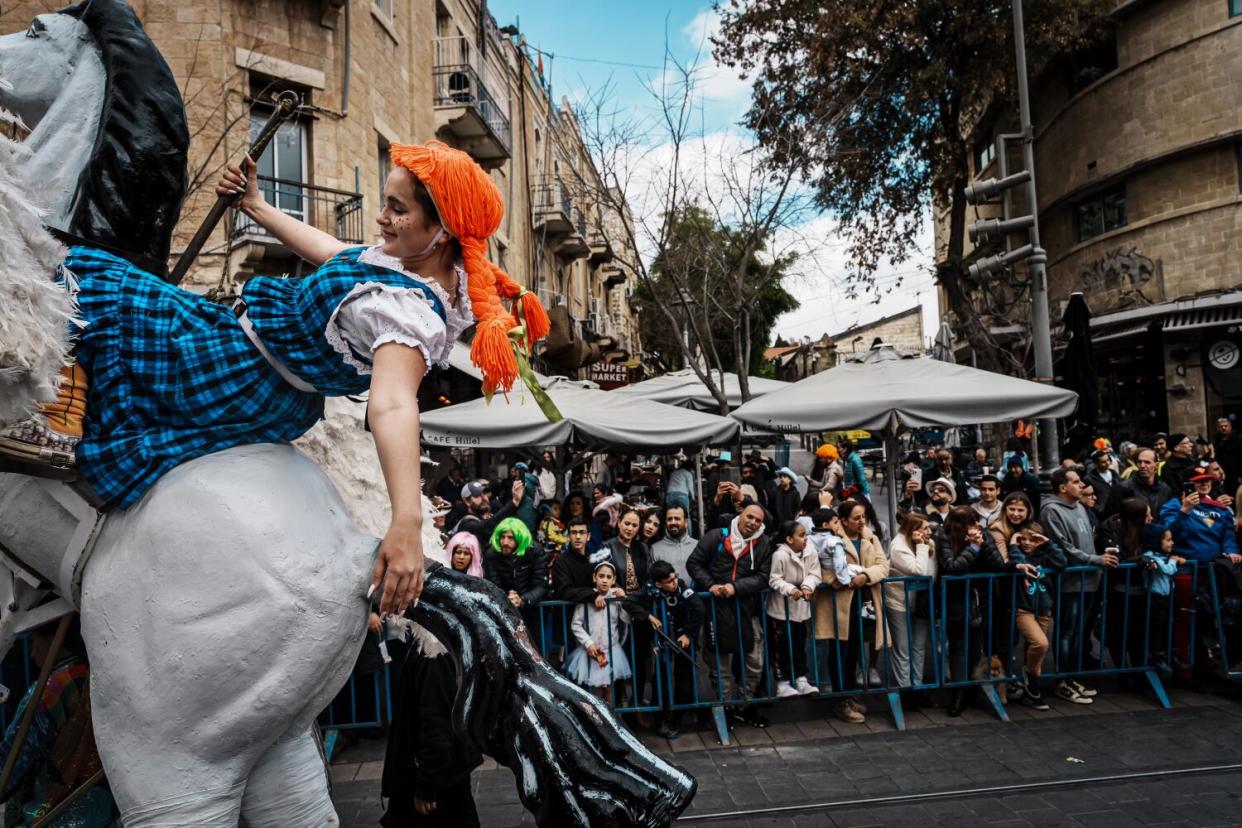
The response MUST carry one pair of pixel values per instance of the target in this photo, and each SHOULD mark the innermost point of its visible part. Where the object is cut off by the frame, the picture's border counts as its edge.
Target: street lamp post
(1034, 254)
(1041, 332)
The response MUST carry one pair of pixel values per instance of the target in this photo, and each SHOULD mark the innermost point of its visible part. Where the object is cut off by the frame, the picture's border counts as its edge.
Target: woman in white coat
(911, 553)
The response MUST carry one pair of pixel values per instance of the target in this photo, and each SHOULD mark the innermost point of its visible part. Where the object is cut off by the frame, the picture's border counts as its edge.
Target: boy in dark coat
(427, 767)
(677, 611)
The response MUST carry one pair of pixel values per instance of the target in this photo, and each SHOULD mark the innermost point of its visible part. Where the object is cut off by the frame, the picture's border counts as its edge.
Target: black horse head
(129, 196)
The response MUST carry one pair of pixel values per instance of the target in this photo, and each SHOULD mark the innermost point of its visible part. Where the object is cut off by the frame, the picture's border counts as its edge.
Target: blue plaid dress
(174, 376)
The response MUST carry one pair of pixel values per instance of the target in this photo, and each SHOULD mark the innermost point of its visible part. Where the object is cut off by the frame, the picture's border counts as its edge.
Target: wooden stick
(28, 714)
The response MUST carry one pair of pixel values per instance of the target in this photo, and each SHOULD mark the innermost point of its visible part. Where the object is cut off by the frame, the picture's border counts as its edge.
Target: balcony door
(285, 161)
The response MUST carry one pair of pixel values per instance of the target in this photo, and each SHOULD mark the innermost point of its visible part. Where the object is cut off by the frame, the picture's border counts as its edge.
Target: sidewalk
(807, 758)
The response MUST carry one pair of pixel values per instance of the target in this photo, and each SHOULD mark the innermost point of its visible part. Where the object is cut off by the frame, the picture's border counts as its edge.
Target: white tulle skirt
(586, 671)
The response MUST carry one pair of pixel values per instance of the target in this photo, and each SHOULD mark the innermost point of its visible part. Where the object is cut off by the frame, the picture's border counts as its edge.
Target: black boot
(957, 701)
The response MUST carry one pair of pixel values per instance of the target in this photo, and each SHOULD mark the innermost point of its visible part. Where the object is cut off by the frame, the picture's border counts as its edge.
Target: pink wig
(472, 543)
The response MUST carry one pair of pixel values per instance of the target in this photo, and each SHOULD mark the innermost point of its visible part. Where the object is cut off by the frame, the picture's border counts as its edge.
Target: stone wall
(904, 331)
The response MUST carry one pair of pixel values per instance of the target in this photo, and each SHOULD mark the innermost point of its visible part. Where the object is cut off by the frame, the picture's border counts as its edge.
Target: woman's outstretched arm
(310, 243)
(397, 371)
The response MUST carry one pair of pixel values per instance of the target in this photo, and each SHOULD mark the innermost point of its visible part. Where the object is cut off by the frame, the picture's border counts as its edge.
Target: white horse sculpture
(223, 611)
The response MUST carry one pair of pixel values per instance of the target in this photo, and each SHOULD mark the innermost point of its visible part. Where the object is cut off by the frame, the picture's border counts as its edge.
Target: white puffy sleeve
(375, 314)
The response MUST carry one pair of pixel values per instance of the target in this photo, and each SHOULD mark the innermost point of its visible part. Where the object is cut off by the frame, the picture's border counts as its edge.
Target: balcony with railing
(336, 212)
(574, 245)
(552, 207)
(465, 107)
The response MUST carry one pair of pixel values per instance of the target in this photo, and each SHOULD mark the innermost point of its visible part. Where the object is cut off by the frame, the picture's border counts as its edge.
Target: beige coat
(792, 571)
(904, 561)
(875, 565)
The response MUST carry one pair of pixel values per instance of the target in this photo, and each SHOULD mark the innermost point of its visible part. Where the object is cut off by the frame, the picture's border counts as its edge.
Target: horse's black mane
(129, 196)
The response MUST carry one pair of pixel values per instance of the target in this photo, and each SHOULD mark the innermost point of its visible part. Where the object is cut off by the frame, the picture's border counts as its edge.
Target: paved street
(805, 759)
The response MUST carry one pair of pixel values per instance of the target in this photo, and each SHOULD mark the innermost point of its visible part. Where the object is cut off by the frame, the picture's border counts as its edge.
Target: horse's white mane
(346, 453)
(34, 310)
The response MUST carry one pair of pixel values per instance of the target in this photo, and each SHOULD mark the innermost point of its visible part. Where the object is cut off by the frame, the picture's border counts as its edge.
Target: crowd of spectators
(791, 581)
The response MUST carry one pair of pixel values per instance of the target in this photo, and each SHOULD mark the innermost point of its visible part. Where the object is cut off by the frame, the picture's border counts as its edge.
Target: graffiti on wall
(1126, 276)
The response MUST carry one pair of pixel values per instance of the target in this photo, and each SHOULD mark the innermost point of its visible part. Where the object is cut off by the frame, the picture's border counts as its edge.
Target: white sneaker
(1065, 690)
(1082, 689)
(784, 691)
(804, 687)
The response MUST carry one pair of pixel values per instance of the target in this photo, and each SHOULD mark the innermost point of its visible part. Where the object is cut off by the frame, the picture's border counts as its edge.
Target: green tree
(705, 256)
(875, 102)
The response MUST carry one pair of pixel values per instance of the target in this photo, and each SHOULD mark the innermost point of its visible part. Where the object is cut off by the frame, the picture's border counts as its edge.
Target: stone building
(903, 331)
(370, 73)
(1138, 156)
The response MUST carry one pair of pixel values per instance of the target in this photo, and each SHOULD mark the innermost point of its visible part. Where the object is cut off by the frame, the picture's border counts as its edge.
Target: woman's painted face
(404, 225)
(461, 557)
(1016, 513)
(628, 527)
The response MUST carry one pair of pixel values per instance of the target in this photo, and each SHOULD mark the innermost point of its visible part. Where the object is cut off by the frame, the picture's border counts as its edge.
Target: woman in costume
(173, 376)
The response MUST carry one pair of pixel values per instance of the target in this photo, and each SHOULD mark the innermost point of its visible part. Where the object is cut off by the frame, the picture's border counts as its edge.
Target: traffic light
(989, 188)
(984, 229)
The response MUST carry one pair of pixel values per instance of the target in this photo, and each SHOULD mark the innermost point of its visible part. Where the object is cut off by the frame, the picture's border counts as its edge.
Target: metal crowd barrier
(1108, 632)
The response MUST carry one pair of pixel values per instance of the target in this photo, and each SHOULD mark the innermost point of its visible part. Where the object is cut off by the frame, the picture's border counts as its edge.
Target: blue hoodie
(1205, 534)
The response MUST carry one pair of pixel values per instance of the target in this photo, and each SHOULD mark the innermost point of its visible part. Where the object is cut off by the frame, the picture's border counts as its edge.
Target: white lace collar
(375, 256)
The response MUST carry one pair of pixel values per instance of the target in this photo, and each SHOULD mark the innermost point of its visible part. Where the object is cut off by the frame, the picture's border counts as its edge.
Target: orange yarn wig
(471, 208)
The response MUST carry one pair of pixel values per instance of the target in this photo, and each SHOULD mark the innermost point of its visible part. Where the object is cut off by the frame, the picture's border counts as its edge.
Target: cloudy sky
(588, 45)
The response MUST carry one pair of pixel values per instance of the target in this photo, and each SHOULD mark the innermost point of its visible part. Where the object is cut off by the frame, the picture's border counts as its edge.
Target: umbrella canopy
(942, 348)
(592, 420)
(684, 389)
(883, 391)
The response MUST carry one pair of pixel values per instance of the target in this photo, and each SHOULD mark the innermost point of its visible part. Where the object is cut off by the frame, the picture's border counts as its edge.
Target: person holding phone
(1203, 528)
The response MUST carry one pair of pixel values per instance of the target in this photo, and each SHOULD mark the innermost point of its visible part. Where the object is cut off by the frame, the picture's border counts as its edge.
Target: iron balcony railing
(337, 212)
(458, 83)
(551, 194)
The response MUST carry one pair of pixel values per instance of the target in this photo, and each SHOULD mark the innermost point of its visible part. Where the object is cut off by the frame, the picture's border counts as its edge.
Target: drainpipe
(345, 75)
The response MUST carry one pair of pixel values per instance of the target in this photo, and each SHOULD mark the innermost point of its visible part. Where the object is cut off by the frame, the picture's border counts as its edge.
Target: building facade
(371, 73)
(1138, 157)
(903, 331)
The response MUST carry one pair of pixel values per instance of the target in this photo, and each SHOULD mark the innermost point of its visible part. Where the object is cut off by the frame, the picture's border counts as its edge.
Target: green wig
(520, 532)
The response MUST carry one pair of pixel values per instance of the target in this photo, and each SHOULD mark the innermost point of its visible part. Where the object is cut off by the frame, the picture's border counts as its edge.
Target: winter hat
(520, 533)
(468, 540)
(785, 471)
(827, 452)
(471, 208)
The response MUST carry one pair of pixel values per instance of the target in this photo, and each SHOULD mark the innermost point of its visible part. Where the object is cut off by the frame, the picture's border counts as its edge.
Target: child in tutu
(600, 660)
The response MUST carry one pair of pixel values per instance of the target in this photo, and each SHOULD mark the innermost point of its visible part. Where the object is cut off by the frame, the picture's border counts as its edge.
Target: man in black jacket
(1228, 447)
(1143, 484)
(476, 513)
(734, 564)
(572, 570)
(517, 565)
(1018, 479)
(427, 766)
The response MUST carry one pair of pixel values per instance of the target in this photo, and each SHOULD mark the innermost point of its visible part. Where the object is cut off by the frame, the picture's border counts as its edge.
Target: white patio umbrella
(683, 388)
(592, 420)
(887, 393)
